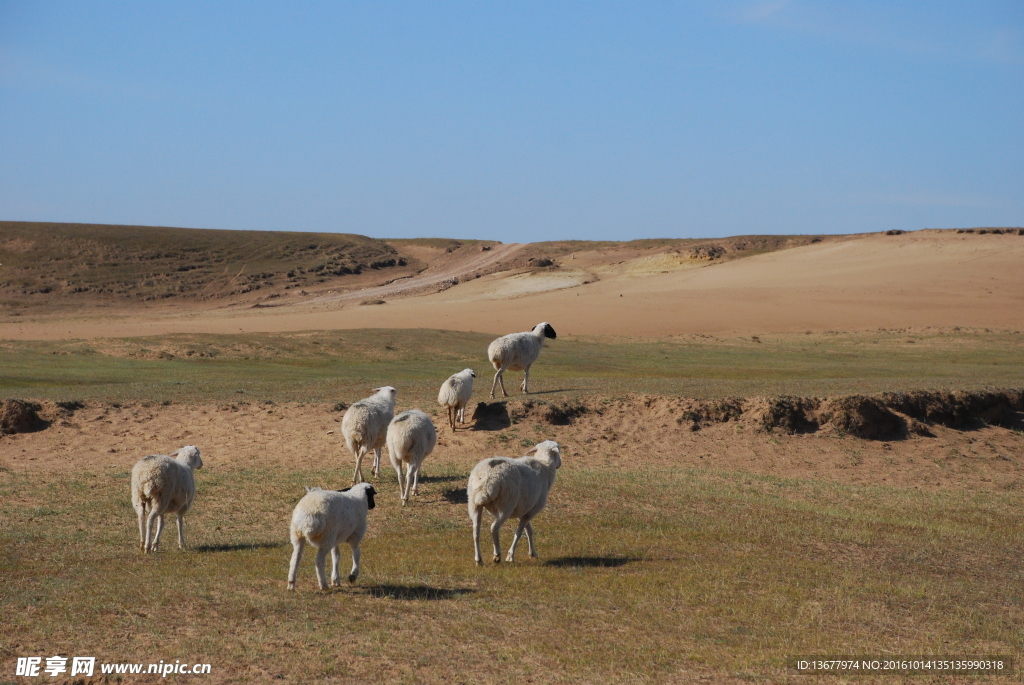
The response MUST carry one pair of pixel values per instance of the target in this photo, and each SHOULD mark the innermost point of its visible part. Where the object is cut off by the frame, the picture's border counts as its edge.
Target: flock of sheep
(507, 488)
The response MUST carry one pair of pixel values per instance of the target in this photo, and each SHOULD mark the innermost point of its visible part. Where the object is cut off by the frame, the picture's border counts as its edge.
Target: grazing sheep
(517, 351)
(455, 394)
(325, 519)
(164, 484)
(365, 427)
(512, 488)
(411, 437)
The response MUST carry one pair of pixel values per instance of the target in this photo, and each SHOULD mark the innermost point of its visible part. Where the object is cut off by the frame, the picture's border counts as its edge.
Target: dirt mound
(19, 416)
(960, 409)
(864, 417)
(892, 416)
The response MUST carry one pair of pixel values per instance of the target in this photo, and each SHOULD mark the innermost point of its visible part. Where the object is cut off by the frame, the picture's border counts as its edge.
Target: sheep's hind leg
(401, 485)
(499, 519)
(357, 475)
(143, 528)
(157, 516)
(321, 558)
(475, 513)
(416, 480)
(451, 418)
(181, 531)
(529, 539)
(376, 462)
(335, 564)
(526, 380)
(298, 545)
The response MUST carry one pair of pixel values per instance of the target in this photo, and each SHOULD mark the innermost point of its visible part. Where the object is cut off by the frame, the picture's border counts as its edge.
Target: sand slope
(927, 278)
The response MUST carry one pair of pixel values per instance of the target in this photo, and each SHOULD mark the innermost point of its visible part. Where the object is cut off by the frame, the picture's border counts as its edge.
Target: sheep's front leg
(499, 519)
(494, 383)
(321, 558)
(475, 514)
(529, 539)
(523, 522)
(335, 564)
(298, 545)
(181, 530)
(355, 564)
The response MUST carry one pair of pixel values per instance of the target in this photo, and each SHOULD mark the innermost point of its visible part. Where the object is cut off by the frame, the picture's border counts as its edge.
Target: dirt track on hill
(436, 275)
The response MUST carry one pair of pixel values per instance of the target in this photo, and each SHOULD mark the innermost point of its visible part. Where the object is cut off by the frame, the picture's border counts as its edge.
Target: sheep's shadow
(491, 416)
(426, 592)
(548, 392)
(456, 496)
(440, 479)
(591, 562)
(240, 546)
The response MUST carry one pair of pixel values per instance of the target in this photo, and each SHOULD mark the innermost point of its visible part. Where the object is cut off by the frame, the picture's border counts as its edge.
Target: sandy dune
(926, 278)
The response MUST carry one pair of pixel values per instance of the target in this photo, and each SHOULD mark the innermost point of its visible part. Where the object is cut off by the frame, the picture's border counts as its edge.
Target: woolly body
(411, 437)
(518, 352)
(512, 488)
(326, 519)
(365, 427)
(164, 484)
(455, 395)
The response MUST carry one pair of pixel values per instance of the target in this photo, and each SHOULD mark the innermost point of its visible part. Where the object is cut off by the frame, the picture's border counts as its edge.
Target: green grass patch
(323, 366)
(643, 575)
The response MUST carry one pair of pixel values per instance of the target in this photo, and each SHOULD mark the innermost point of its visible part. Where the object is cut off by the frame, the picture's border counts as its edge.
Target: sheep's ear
(532, 450)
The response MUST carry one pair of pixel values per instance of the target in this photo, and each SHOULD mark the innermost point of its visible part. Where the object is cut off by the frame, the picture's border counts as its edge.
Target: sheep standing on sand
(455, 394)
(411, 437)
(325, 519)
(164, 484)
(512, 488)
(517, 351)
(365, 427)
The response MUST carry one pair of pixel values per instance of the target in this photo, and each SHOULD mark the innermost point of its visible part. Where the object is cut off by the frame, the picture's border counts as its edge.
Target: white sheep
(411, 437)
(517, 351)
(365, 427)
(325, 519)
(164, 484)
(512, 488)
(455, 394)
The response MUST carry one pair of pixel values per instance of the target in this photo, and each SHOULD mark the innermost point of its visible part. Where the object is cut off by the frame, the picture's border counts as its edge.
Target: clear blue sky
(515, 121)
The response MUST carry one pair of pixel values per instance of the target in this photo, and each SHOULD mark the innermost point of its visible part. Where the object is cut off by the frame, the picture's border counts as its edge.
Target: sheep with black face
(518, 352)
(325, 519)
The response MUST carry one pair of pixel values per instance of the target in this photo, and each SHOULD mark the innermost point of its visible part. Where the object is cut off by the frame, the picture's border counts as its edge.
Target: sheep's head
(471, 372)
(189, 455)
(370, 492)
(547, 450)
(386, 390)
(545, 329)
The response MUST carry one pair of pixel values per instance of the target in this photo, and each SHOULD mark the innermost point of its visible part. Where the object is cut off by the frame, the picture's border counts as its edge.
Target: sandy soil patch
(112, 437)
(929, 278)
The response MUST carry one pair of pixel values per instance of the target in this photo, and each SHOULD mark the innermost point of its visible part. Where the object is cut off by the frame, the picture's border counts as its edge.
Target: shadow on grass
(456, 496)
(240, 546)
(591, 562)
(416, 592)
(441, 479)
